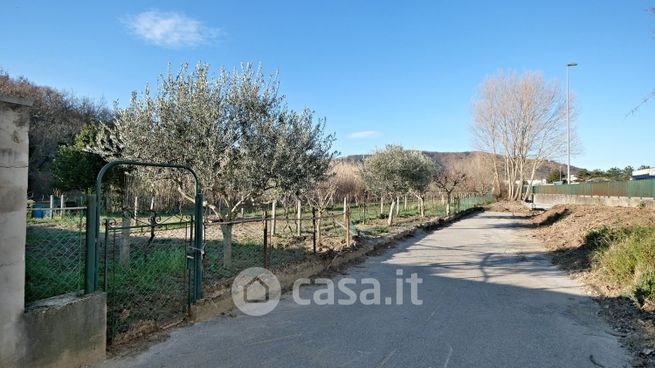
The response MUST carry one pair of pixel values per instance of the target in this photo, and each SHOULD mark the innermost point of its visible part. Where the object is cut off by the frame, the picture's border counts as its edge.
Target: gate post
(197, 253)
(90, 264)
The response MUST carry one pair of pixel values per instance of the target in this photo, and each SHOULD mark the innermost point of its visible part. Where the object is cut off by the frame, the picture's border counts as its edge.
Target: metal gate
(146, 273)
(148, 261)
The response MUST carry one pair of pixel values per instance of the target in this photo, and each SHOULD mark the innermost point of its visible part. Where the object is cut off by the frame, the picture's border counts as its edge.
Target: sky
(402, 72)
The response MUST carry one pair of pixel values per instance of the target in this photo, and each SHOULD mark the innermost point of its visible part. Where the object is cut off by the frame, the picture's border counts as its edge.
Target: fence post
(345, 204)
(314, 228)
(197, 253)
(52, 205)
(273, 220)
(62, 205)
(347, 223)
(90, 265)
(299, 224)
(265, 240)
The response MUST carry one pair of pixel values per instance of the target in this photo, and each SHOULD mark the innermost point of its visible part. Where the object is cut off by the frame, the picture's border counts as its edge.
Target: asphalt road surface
(490, 298)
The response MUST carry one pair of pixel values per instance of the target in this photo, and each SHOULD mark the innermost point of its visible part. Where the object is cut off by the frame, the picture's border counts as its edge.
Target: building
(643, 174)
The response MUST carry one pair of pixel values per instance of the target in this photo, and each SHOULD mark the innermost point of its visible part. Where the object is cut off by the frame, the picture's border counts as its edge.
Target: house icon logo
(256, 291)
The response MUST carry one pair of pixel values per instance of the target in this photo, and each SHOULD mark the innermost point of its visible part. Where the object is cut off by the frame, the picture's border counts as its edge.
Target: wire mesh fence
(268, 241)
(144, 251)
(54, 251)
(263, 239)
(143, 268)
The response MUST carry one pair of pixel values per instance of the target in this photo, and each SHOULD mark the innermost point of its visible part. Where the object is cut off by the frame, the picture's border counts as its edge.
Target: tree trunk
(421, 205)
(390, 219)
(381, 204)
(227, 245)
(448, 205)
(299, 219)
(397, 205)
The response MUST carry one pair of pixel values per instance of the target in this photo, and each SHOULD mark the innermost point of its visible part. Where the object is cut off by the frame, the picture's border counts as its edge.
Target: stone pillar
(14, 155)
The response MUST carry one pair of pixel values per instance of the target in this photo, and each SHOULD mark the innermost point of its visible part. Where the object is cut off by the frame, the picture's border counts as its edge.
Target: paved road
(490, 298)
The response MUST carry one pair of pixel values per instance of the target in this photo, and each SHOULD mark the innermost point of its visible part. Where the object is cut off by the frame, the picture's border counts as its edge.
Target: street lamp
(568, 124)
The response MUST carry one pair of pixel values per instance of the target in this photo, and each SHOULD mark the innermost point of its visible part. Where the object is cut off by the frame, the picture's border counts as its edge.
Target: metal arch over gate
(161, 250)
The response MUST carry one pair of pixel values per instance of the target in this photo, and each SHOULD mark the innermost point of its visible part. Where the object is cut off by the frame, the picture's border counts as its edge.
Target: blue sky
(379, 71)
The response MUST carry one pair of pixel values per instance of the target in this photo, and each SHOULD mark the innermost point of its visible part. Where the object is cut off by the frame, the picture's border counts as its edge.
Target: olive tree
(418, 172)
(394, 170)
(233, 128)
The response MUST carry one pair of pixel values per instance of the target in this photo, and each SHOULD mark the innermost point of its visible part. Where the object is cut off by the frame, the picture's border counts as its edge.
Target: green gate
(148, 260)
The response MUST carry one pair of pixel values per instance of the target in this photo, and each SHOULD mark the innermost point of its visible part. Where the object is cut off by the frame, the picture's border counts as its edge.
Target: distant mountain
(467, 160)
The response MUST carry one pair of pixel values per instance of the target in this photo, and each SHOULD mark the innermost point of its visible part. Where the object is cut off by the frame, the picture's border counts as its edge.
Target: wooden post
(265, 241)
(314, 228)
(52, 205)
(405, 207)
(136, 207)
(299, 219)
(397, 205)
(63, 204)
(345, 204)
(381, 204)
(152, 203)
(347, 220)
(273, 221)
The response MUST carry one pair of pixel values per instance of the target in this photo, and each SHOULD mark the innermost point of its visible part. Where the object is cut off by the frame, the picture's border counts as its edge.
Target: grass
(244, 255)
(53, 260)
(625, 257)
(45, 278)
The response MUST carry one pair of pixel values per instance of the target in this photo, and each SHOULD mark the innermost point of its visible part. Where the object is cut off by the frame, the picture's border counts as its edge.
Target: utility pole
(568, 123)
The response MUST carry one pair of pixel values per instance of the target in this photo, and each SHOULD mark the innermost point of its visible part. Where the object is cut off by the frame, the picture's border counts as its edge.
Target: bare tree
(447, 181)
(318, 196)
(521, 120)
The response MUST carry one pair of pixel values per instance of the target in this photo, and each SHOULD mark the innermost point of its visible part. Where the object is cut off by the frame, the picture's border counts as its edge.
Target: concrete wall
(14, 155)
(549, 200)
(64, 331)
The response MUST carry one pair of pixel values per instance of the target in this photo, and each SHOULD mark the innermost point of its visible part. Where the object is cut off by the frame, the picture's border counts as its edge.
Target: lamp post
(568, 124)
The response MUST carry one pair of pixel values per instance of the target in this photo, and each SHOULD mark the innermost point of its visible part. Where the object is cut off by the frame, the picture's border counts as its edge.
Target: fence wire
(288, 240)
(54, 252)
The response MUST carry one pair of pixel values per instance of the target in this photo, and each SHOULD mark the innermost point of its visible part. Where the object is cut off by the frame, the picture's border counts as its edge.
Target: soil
(562, 229)
(509, 206)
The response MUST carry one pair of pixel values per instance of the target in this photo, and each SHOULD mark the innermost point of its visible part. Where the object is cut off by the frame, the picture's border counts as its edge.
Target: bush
(626, 257)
